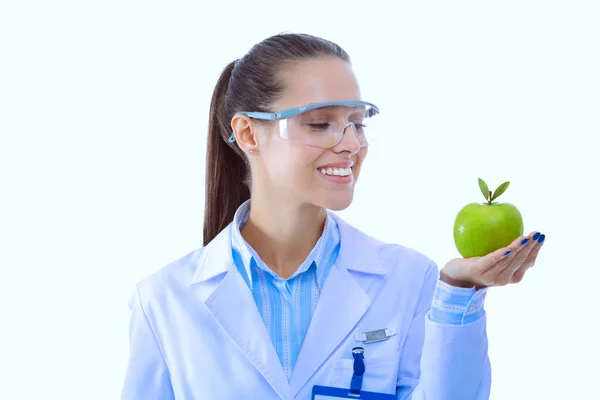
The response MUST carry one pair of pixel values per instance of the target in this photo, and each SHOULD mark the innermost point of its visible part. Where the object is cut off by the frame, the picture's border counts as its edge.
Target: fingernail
(524, 242)
(536, 236)
(507, 253)
(542, 238)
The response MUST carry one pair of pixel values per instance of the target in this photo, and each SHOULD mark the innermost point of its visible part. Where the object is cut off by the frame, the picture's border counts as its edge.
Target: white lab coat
(196, 332)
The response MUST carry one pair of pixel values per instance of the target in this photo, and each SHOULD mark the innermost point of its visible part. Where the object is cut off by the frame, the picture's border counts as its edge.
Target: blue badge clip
(359, 370)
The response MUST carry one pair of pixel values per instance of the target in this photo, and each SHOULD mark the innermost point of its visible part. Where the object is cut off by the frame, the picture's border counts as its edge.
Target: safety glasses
(323, 124)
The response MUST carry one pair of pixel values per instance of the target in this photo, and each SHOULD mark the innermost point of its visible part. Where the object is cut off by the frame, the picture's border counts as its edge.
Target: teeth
(336, 171)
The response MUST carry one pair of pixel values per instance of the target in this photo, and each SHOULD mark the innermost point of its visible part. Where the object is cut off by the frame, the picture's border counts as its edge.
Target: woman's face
(301, 173)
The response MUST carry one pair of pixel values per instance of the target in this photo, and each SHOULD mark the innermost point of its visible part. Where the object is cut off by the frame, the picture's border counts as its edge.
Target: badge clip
(359, 370)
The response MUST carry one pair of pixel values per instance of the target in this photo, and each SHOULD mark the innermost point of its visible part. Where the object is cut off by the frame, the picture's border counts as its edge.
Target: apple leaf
(484, 189)
(500, 190)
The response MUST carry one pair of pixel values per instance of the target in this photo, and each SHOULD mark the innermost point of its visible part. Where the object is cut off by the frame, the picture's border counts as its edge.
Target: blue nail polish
(507, 253)
(536, 236)
(542, 238)
(524, 242)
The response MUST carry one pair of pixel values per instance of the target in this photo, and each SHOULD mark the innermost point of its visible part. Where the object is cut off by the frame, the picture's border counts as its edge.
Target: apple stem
(490, 198)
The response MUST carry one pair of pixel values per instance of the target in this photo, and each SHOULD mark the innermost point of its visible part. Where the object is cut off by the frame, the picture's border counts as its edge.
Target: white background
(103, 120)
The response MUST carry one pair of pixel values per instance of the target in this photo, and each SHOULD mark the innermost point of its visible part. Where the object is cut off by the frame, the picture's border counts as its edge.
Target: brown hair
(252, 83)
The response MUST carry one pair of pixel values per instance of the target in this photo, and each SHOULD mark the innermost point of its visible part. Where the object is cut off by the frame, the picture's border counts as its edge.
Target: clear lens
(325, 127)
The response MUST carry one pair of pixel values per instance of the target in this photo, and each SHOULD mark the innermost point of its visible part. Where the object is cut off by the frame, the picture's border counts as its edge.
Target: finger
(519, 260)
(489, 263)
(529, 262)
(534, 253)
(519, 274)
(491, 260)
(485, 266)
(527, 246)
(501, 273)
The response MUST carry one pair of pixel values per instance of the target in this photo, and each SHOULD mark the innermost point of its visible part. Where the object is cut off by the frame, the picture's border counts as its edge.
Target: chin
(337, 203)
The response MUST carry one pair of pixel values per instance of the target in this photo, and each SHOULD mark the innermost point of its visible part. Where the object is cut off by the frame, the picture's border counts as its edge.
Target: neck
(285, 237)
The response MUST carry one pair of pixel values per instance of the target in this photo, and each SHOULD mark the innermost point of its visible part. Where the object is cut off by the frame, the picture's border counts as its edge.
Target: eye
(320, 126)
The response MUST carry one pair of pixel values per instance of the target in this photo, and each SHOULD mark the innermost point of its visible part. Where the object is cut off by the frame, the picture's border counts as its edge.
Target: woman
(286, 298)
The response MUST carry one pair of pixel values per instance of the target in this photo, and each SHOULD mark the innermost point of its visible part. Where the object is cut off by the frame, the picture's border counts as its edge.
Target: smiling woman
(286, 300)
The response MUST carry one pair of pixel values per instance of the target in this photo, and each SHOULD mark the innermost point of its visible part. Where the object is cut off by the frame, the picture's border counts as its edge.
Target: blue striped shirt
(287, 305)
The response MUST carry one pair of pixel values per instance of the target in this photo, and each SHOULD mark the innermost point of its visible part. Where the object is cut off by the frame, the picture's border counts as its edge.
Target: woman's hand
(496, 268)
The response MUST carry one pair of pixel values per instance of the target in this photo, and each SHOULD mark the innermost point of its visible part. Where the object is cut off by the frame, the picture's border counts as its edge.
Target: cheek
(292, 166)
(360, 158)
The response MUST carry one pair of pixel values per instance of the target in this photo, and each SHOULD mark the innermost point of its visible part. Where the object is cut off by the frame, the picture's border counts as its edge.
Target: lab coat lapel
(342, 302)
(341, 305)
(232, 305)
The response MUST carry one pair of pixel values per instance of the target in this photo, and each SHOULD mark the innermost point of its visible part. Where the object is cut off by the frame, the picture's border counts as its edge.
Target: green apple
(481, 228)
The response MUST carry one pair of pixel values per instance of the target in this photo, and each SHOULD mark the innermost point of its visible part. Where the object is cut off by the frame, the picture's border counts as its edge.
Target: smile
(336, 171)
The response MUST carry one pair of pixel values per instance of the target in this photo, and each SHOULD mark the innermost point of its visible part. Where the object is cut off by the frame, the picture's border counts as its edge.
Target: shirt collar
(329, 240)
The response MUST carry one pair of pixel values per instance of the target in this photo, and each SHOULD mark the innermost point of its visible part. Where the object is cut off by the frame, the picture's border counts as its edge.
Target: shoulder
(168, 279)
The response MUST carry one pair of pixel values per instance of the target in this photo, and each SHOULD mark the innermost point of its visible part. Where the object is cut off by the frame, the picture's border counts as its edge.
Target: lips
(347, 164)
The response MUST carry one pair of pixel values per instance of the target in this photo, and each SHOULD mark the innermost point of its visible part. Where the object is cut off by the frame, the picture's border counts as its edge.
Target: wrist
(455, 282)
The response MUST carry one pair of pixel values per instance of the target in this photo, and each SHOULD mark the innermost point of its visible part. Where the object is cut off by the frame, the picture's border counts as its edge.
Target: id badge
(332, 393)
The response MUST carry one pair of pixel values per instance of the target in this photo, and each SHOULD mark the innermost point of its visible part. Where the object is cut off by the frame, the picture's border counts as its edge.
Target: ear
(245, 133)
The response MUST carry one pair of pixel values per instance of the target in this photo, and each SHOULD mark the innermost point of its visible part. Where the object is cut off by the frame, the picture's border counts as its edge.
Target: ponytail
(226, 165)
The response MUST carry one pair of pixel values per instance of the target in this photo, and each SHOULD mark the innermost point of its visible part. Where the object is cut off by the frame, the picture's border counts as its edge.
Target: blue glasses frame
(290, 112)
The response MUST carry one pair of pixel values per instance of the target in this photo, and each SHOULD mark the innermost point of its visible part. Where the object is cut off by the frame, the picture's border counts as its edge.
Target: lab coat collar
(358, 252)
(215, 258)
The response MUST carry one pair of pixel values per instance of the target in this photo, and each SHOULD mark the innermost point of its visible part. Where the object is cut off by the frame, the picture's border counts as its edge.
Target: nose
(349, 140)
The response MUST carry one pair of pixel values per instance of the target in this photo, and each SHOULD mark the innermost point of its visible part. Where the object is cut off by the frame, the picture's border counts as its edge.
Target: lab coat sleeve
(442, 361)
(147, 376)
